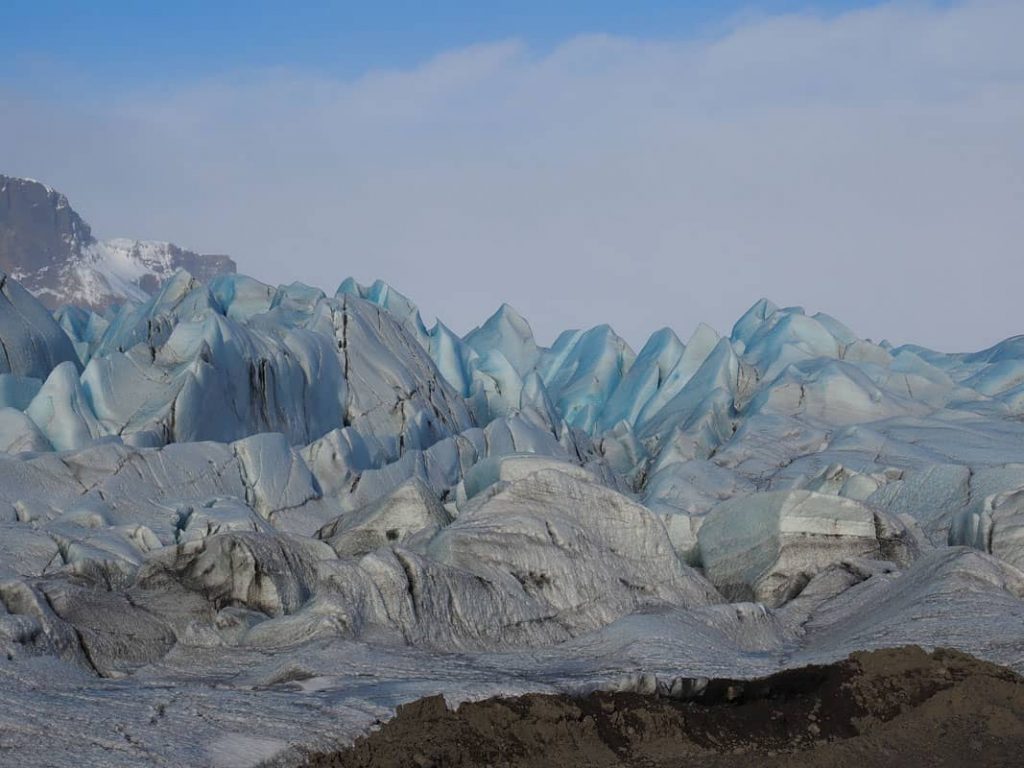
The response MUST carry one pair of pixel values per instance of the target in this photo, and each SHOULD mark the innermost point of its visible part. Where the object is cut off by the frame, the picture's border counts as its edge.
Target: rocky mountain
(51, 250)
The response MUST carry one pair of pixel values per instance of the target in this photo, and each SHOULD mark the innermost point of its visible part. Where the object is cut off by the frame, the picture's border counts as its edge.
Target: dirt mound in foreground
(884, 708)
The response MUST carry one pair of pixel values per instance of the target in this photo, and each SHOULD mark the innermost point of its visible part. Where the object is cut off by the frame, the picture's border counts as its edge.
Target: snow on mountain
(49, 248)
(228, 500)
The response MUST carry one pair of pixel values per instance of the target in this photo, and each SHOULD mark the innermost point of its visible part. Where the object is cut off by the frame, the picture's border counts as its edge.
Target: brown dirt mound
(900, 707)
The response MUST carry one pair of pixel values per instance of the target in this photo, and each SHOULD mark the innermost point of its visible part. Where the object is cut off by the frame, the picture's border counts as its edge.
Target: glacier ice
(767, 546)
(267, 515)
(33, 343)
(409, 513)
(997, 527)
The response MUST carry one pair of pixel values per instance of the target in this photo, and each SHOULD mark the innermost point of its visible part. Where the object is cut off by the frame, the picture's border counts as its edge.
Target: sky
(640, 164)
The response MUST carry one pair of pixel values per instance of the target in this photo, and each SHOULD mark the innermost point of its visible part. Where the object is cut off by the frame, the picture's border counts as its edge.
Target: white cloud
(870, 165)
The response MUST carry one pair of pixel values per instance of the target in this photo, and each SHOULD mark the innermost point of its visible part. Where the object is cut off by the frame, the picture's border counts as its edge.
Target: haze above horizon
(644, 165)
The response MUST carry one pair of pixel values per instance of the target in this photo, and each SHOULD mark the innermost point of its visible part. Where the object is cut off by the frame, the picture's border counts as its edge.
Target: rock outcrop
(47, 246)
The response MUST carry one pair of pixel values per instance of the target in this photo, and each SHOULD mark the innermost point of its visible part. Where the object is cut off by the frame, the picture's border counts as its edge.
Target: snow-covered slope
(266, 515)
(51, 250)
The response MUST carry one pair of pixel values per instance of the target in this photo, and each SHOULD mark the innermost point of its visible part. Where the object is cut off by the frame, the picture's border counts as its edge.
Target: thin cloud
(869, 165)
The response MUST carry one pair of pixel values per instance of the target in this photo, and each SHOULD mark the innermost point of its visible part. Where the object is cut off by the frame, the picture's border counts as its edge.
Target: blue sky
(640, 164)
(114, 42)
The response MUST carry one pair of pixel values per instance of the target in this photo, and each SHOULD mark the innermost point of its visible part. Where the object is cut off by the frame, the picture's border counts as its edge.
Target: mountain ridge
(51, 250)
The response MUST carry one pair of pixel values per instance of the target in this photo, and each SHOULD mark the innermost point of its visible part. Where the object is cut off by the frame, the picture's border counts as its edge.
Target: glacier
(265, 516)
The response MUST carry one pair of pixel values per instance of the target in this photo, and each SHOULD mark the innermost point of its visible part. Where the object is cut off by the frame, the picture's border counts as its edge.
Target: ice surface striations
(46, 245)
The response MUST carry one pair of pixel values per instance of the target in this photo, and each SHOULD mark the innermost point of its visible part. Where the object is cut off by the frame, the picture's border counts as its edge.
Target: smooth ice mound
(267, 515)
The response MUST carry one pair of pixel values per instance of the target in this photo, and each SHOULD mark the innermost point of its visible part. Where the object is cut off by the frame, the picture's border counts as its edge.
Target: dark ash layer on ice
(893, 707)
